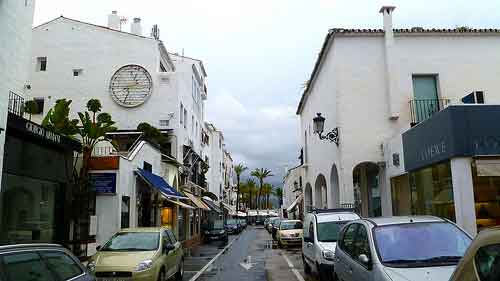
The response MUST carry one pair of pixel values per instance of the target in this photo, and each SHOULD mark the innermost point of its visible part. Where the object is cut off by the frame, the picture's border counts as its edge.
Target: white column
(463, 194)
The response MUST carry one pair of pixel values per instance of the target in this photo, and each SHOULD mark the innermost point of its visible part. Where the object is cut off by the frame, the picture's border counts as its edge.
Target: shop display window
(486, 182)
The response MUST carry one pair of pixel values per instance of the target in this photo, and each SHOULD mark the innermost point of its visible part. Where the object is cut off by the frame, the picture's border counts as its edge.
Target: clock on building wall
(131, 85)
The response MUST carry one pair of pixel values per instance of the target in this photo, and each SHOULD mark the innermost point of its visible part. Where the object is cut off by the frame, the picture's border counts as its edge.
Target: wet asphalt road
(251, 256)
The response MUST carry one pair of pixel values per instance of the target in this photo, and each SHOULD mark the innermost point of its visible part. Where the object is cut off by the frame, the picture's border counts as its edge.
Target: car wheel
(307, 268)
(161, 276)
(180, 273)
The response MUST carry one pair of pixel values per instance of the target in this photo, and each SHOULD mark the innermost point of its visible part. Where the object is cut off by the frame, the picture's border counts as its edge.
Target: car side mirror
(365, 260)
(98, 247)
(167, 248)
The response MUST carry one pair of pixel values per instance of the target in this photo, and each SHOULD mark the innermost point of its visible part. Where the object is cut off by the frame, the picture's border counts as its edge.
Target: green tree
(58, 121)
(266, 192)
(251, 189)
(30, 107)
(278, 192)
(261, 174)
(152, 133)
(238, 169)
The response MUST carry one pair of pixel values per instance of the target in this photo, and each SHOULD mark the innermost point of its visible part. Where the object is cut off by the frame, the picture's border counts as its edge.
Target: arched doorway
(334, 188)
(367, 189)
(308, 198)
(320, 200)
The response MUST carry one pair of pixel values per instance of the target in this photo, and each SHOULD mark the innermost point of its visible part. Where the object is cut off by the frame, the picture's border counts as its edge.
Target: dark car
(40, 262)
(275, 227)
(233, 227)
(215, 232)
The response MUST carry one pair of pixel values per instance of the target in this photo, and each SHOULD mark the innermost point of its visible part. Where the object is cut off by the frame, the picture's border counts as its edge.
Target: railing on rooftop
(422, 109)
(16, 104)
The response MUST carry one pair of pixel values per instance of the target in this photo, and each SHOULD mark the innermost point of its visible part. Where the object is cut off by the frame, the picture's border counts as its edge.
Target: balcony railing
(422, 109)
(16, 104)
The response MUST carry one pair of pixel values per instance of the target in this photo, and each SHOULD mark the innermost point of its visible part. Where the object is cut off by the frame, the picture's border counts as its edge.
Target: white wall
(350, 91)
(16, 19)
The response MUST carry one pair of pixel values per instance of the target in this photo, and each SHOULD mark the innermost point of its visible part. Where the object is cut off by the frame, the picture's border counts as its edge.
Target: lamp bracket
(332, 136)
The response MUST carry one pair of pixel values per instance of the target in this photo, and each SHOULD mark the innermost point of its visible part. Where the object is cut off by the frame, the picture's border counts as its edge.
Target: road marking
(247, 263)
(197, 275)
(292, 267)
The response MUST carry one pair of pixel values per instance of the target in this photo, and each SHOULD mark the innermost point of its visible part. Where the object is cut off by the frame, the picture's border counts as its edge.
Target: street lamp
(319, 126)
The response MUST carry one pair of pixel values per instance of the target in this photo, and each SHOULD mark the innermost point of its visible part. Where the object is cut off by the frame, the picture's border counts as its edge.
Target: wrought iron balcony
(422, 109)
(16, 104)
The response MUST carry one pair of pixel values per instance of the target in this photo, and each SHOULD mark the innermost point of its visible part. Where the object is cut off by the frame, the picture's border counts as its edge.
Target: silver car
(410, 248)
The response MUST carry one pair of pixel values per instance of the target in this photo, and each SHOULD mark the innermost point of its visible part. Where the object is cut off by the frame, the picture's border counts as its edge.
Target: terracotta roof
(364, 31)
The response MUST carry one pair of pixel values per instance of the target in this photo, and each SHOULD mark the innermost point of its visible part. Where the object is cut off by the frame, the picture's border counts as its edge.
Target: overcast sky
(259, 53)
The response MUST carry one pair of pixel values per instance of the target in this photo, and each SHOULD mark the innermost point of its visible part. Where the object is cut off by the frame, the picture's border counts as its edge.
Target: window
(426, 101)
(487, 261)
(166, 238)
(41, 64)
(40, 102)
(347, 244)
(181, 114)
(148, 167)
(185, 118)
(77, 72)
(125, 212)
(192, 124)
(361, 244)
(172, 236)
(62, 265)
(25, 266)
(329, 231)
(164, 123)
(162, 68)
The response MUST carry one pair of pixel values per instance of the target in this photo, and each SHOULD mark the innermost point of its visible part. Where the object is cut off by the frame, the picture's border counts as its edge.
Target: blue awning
(160, 184)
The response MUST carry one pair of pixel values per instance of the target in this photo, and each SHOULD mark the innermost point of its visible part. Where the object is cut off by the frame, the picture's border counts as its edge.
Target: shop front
(452, 168)
(36, 188)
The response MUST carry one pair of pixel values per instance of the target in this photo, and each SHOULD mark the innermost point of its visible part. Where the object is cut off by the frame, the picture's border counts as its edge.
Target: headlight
(328, 255)
(91, 266)
(221, 232)
(147, 264)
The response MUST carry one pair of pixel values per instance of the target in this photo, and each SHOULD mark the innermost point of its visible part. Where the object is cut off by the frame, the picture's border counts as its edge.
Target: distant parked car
(40, 262)
(274, 228)
(216, 231)
(146, 254)
(321, 232)
(232, 226)
(289, 233)
(410, 248)
(481, 262)
(269, 224)
(243, 223)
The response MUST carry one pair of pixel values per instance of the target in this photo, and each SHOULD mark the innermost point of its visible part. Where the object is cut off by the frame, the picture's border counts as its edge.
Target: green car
(140, 254)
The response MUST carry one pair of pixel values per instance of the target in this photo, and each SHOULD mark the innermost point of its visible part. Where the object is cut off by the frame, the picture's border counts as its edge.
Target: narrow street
(250, 256)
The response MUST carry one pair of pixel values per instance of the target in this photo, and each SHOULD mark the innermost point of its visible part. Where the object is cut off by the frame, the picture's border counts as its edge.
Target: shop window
(125, 212)
(486, 182)
(167, 217)
(432, 191)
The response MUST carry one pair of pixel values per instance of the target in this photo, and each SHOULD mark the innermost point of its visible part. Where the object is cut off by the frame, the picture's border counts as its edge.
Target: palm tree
(278, 192)
(250, 185)
(266, 192)
(261, 174)
(238, 169)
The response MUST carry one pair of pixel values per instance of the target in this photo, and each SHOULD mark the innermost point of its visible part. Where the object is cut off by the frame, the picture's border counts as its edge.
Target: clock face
(131, 85)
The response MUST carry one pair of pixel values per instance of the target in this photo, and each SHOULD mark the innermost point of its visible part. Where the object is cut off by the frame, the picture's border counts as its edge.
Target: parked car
(269, 224)
(289, 233)
(40, 262)
(243, 223)
(410, 248)
(321, 232)
(481, 261)
(274, 228)
(215, 231)
(146, 254)
(232, 226)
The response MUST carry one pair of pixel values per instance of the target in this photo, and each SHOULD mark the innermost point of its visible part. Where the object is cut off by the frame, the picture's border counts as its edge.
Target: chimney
(136, 27)
(387, 12)
(114, 20)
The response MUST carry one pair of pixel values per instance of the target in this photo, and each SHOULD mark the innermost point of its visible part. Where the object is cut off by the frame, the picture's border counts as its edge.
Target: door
(343, 260)
(308, 246)
(361, 271)
(169, 257)
(426, 101)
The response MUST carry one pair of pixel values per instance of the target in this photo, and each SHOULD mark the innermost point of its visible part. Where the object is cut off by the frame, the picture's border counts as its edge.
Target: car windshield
(218, 224)
(133, 241)
(420, 244)
(287, 225)
(329, 231)
(232, 222)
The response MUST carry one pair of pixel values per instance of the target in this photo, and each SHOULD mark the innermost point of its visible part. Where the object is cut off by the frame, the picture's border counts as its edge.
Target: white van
(321, 230)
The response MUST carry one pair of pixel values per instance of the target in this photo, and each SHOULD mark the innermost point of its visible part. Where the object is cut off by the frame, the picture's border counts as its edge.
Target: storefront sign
(457, 131)
(104, 163)
(104, 183)
(43, 133)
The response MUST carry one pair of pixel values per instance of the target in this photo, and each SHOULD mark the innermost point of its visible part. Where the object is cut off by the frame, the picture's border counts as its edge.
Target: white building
(136, 80)
(292, 192)
(214, 152)
(16, 20)
(372, 85)
(229, 179)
